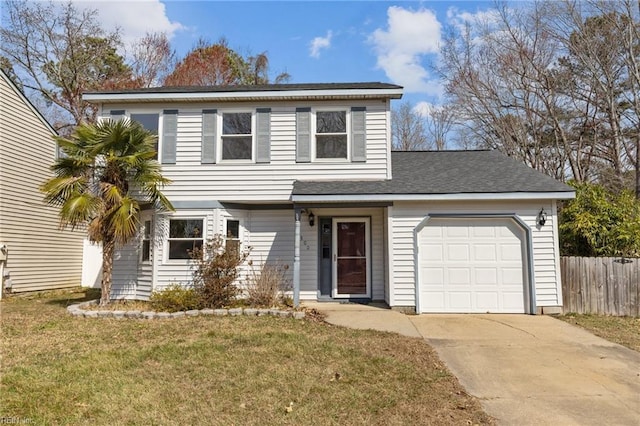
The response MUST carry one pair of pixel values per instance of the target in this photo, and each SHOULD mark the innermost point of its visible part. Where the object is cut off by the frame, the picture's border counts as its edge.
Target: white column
(296, 259)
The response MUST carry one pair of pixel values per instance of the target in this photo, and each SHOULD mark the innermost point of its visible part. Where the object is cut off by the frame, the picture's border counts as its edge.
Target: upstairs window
(331, 134)
(150, 123)
(185, 235)
(237, 136)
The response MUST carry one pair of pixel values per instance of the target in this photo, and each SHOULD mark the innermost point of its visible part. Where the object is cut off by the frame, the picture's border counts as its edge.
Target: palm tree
(105, 174)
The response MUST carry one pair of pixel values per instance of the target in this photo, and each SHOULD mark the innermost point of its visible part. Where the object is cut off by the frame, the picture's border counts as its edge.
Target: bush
(266, 287)
(216, 269)
(599, 222)
(175, 298)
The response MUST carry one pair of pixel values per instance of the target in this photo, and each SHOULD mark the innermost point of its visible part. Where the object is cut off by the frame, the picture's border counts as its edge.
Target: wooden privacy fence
(601, 285)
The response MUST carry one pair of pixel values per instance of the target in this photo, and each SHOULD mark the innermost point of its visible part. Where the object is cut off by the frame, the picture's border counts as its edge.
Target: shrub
(216, 269)
(266, 287)
(599, 222)
(175, 298)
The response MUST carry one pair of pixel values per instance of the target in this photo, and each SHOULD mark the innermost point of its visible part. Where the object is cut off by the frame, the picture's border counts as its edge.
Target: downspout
(296, 258)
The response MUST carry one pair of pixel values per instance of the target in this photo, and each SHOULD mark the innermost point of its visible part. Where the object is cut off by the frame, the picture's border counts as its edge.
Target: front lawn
(622, 330)
(58, 369)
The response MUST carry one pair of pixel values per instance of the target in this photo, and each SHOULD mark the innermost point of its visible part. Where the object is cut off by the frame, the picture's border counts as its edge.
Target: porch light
(542, 217)
(312, 218)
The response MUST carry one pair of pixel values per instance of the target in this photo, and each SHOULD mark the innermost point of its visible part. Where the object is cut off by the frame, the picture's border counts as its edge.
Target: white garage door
(472, 266)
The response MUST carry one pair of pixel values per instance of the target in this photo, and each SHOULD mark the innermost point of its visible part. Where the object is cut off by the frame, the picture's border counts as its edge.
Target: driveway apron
(536, 370)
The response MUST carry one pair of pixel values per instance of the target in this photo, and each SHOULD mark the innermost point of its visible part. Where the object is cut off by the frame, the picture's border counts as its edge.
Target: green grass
(622, 330)
(59, 369)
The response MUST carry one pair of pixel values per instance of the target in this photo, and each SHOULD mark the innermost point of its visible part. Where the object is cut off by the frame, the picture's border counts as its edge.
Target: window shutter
(208, 148)
(303, 135)
(358, 134)
(263, 135)
(169, 136)
(116, 114)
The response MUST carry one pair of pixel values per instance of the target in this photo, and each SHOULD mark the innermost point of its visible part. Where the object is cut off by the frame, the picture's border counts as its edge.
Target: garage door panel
(472, 265)
(458, 276)
(459, 300)
(430, 252)
(483, 231)
(432, 276)
(512, 276)
(484, 252)
(458, 252)
(487, 301)
(511, 252)
(434, 300)
(456, 232)
(486, 276)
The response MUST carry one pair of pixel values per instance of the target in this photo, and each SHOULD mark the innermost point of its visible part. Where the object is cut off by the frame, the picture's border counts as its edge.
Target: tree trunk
(108, 248)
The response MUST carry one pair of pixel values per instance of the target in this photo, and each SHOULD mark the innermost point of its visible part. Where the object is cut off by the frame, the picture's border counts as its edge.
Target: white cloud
(320, 43)
(423, 108)
(401, 48)
(133, 18)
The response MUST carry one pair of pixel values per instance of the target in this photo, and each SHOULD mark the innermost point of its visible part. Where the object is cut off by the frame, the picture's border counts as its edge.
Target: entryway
(345, 257)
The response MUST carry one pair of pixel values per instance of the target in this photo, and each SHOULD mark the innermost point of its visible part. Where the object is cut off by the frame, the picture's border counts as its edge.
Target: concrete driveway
(537, 370)
(526, 370)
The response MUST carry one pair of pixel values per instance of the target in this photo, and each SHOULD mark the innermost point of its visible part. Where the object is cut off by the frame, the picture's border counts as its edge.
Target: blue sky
(320, 41)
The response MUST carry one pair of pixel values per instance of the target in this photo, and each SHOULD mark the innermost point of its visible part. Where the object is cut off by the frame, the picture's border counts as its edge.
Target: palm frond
(58, 190)
(123, 220)
(79, 209)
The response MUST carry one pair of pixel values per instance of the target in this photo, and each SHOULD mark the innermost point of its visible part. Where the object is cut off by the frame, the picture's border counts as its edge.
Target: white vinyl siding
(41, 256)
(273, 181)
(407, 216)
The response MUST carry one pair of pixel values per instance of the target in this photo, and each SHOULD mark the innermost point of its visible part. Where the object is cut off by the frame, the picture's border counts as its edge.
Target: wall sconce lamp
(312, 218)
(542, 217)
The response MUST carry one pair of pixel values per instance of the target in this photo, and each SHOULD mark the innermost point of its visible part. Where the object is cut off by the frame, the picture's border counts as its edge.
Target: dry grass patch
(622, 330)
(59, 369)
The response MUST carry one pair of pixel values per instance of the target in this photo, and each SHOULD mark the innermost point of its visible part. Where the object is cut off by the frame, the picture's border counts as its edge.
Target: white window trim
(241, 230)
(314, 133)
(219, 125)
(160, 113)
(144, 220)
(165, 257)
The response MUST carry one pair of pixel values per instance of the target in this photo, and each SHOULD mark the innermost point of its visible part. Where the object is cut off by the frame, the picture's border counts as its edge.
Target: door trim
(334, 267)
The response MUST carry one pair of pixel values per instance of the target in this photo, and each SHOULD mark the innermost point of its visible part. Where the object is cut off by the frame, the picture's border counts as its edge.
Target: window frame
(220, 135)
(160, 115)
(227, 238)
(314, 134)
(167, 258)
(147, 236)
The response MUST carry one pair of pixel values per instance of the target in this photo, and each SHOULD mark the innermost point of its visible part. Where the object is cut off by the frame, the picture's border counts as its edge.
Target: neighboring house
(304, 174)
(37, 255)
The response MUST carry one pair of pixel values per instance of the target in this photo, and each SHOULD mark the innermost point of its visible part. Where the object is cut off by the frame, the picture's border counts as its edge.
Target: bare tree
(60, 52)
(439, 122)
(152, 59)
(551, 84)
(407, 129)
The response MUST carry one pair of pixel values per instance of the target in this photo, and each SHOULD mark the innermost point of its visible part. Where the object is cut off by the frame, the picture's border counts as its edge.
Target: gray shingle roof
(444, 172)
(255, 88)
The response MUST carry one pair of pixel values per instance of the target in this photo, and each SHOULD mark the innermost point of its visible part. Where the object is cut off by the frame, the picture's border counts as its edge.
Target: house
(36, 254)
(304, 174)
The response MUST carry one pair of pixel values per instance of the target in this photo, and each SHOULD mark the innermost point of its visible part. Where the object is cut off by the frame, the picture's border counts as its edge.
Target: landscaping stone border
(78, 310)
